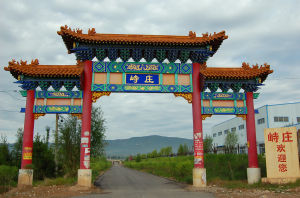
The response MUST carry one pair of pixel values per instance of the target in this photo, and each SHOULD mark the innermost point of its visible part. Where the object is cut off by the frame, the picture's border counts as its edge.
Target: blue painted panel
(142, 79)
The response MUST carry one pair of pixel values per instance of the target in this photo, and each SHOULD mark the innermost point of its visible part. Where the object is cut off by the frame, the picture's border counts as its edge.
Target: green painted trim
(191, 81)
(107, 78)
(255, 95)
(210, 103)
(23, 93)
(124, 78)
(176, 79)
(245, 105)
(160, 79)
(93, 78)
(235, 103)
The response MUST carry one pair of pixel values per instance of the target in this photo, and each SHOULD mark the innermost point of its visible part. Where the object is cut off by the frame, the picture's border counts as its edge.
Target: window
(298, 119)
(214, 135)
(241, 127)
(281, 119)
(261, 121)
(220, 133)
(233, 129)
(226, 131)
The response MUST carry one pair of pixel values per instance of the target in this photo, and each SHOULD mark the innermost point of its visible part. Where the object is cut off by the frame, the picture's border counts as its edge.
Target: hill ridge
(143, 144)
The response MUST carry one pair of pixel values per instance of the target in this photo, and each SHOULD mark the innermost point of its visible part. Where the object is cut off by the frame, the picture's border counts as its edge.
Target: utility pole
(56, 143)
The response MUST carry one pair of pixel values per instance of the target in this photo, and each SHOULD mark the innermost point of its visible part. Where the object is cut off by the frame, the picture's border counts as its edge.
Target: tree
(207, 144)
(16, 153)
(47, 136)
(42, 158)
(4, 151)
(183, 149)
(138, 158)
(70, 136)
(230, 141)
(97, 132)
(69, 145)
(154, 153)
(166, 151)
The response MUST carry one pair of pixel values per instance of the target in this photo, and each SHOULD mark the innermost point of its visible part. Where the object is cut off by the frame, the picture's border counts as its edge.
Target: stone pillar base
(253, 175)
(199, 177)
(25, 177)
(84, 177)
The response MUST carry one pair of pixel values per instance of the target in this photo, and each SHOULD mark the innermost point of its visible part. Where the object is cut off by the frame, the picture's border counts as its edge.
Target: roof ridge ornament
(91, 31)
(192, 34)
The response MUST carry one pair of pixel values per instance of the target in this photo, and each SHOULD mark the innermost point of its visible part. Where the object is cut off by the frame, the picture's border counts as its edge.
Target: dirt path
(125, 182)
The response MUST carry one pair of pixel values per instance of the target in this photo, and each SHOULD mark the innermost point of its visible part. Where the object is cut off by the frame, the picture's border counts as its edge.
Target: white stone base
(279, 180)
(199, 177)
(253, 175)
(25, 177)
(84, 177)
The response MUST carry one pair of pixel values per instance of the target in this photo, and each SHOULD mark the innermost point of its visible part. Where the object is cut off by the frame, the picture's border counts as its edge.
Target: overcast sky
(259, 31)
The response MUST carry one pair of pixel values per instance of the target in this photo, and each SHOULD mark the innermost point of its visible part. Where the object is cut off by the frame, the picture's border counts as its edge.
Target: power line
(8, 110)
(7, 92)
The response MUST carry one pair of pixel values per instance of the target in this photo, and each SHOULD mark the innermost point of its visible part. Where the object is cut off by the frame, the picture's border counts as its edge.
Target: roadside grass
(68, 181)
(242, 184)
(98, 165)
(225, 170)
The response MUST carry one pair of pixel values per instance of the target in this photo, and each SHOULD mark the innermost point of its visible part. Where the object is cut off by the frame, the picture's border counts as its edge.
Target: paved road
(124, 182)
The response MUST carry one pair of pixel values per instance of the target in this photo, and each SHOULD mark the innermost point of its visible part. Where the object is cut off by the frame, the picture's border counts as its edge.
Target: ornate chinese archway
(96, 79)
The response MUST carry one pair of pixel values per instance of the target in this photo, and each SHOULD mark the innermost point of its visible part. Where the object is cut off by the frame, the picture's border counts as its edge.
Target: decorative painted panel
(58, 94)
(142, 77)
(143, 88)
(65, 109)
(224, 110)
(223, 103)
(138, 67)
(222, 96)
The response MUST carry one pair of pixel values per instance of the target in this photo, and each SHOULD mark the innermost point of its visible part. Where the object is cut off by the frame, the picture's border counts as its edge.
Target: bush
(9, 177)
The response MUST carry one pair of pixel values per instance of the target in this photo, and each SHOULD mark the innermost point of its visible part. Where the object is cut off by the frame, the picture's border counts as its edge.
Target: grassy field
(218, 167)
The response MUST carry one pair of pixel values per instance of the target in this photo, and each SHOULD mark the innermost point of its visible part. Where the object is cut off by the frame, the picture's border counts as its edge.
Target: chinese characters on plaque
(282, 152)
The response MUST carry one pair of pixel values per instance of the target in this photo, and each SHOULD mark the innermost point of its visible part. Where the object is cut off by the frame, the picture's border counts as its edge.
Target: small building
(267, 116)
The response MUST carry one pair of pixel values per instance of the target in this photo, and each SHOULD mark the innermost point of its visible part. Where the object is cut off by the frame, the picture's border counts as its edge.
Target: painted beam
(141, 67)
(58, 94)
(143, 88)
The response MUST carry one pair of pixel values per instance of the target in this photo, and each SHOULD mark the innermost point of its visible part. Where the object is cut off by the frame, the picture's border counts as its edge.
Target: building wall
(286, 114)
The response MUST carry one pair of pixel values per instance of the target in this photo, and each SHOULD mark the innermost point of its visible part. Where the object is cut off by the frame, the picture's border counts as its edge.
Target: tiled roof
(69, 36)
(244, 72)
(45, 71)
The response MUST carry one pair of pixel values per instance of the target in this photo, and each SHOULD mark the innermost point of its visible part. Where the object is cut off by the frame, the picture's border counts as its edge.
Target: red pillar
(251, 132)
(197, 118)
(28, 131)
(86, 117)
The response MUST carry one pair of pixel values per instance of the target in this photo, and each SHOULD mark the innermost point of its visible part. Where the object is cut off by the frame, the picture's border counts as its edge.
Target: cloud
(259, 31)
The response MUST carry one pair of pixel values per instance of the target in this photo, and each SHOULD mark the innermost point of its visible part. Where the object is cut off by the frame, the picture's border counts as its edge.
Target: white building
(268, 116)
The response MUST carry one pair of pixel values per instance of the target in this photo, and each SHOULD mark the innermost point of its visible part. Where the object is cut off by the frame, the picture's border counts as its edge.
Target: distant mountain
(145, 144)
